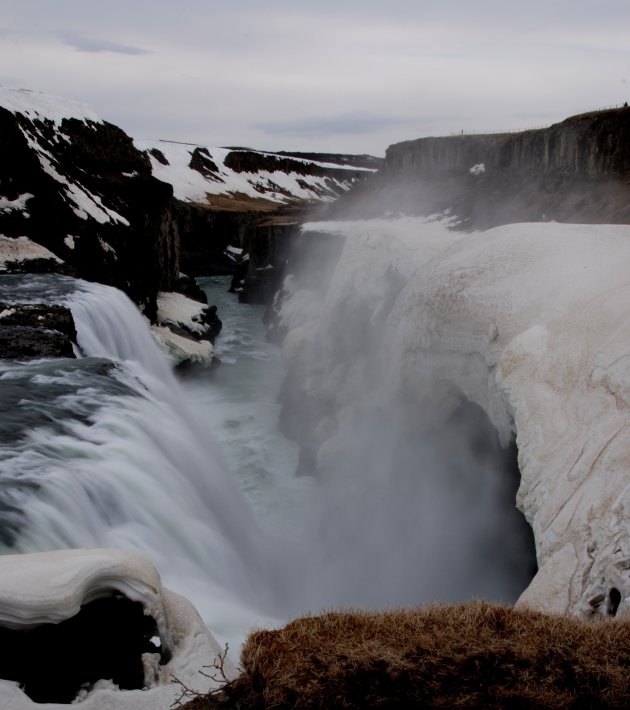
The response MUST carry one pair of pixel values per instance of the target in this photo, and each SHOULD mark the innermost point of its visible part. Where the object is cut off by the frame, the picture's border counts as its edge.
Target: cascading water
(116, 457)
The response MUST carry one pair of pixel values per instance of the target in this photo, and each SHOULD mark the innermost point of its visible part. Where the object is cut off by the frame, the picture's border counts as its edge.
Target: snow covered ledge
(41, 591)
(532, 323)
(186, 329)
(534, 320)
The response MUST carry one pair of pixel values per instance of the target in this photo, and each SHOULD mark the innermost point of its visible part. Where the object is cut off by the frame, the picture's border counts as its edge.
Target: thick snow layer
(42, 106)
(49, 587)
(22, 249)
(176, 308)
(18, 204)
(190, 185)
(531, 322)
(182, 349)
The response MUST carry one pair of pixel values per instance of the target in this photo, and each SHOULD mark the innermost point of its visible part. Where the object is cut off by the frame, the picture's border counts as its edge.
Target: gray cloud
(92, 44)
(351, 77)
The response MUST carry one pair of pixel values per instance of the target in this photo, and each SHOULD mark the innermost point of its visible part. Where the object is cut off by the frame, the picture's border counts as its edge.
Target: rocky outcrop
(187, 328)
(588, 145)
(36, 330)
(77, 186)
(251, 161)
(358, 161)
(574, 171)
(267, 246)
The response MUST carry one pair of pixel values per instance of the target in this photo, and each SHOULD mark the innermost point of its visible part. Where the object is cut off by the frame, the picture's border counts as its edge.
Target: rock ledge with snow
(113, 603)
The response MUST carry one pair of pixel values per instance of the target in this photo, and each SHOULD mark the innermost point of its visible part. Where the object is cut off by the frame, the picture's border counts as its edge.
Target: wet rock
(36, 330)
(28, 342)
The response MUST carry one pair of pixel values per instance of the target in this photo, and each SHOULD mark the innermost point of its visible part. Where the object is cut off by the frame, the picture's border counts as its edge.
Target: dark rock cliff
(589, 145)
(88, 196)
(577, 170)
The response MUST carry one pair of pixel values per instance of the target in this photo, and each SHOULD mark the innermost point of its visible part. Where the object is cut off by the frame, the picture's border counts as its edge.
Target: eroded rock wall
(592, 144)
(574, 171)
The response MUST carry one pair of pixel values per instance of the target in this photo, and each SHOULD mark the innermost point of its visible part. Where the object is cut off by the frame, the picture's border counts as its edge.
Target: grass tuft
(469, 655)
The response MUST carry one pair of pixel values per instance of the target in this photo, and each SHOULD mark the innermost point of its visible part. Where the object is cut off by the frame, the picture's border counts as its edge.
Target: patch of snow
(19, 203)
(22, 249)
(69, 241)
(478, 169)
(176, 308)
(182, 349)
(36, 106)
(234, 250)
(7, 312)
(105, 246)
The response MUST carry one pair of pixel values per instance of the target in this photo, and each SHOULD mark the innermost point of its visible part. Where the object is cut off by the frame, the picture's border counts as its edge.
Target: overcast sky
(332, 75)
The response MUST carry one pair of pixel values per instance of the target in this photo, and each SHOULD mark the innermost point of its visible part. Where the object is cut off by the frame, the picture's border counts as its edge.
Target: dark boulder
(189, 287)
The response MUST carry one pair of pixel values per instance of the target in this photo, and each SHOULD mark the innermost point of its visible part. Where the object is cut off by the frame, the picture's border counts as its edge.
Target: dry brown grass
(471, 655)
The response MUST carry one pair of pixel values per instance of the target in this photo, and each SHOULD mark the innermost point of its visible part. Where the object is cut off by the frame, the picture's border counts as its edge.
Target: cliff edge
(577, 170)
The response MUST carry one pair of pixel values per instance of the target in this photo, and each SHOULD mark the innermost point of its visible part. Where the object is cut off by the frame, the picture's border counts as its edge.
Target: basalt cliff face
(577, 170)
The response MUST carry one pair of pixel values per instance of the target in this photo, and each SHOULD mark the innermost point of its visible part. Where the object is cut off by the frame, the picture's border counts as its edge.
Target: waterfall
(119, 458)
(111, 450)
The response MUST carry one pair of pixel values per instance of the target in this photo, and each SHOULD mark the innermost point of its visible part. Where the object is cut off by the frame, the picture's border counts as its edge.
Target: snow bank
(35, 106)
(176, 308)
(50, 587)
(181, 350)
(529, 321)
(178, 312)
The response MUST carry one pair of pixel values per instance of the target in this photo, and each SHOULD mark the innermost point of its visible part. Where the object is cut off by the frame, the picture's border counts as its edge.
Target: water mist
(415, 494)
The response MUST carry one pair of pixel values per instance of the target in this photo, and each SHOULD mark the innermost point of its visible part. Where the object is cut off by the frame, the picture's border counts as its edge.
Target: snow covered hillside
(528, 321)
(197, 172)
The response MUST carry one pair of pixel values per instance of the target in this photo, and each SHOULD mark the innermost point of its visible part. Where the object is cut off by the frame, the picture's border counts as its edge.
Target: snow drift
(45, 590)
